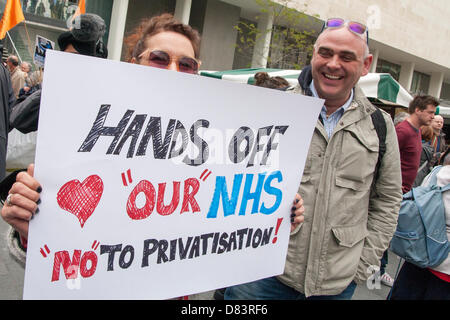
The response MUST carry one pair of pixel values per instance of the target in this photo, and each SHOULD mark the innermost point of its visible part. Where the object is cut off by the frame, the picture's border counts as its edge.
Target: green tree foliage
(292, 35)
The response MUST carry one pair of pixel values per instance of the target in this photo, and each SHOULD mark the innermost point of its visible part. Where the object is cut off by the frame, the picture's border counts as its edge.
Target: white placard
(130, 208)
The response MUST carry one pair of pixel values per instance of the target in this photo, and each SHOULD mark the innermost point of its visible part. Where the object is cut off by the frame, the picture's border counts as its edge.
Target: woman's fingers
(297, 212)
(22, 201)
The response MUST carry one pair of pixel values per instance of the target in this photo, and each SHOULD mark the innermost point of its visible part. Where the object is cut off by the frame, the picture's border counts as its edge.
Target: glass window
(290, 49)
(54, 9)
(57, 12)
(445, 91)
(393, 69)
(420, 83)
(245, 44)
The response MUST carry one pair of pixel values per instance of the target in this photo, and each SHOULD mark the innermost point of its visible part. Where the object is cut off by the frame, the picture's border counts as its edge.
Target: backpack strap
(380, 127)
(445, 188)
(433, 175)
(433, 179)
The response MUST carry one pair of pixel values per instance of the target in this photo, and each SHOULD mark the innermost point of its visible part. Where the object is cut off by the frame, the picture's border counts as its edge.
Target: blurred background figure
(413, 282)
(428, 157)
(438, 142)
(399, 117)
(17, 76)
(25, 67)
(30, 79)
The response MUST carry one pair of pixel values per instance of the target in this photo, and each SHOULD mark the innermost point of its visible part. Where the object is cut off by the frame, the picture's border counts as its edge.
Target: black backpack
(380, 127)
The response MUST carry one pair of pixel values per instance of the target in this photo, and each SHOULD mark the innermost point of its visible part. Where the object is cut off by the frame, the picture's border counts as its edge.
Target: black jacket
(25, 114)
(7, 101)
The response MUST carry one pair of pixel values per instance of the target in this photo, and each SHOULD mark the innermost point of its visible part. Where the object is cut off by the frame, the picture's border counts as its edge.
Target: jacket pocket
(343, 257)
(358, 157)
(350, 199)
(348, 236)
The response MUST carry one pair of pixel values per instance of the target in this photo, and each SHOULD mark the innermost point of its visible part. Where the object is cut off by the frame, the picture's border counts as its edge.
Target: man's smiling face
(337, 64)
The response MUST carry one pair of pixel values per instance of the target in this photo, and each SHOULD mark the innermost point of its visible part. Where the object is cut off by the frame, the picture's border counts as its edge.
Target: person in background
(25, 67)
(428, 157)
(7, 100)
(415, 283)
(17, 76)
(399, 117)
(262, 79)
(86, 40)
(421, 113)
(30, 79)
(438, 142)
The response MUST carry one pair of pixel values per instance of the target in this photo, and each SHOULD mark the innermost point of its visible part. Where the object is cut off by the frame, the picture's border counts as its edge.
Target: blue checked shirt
(330, 122)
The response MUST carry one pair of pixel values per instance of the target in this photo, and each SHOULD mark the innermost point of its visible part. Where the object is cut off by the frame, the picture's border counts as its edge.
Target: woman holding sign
(160, 42)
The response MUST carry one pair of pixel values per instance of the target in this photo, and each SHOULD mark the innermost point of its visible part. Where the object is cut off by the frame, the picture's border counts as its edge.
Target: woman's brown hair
(135, 42)
(262, 79)
(427, 133)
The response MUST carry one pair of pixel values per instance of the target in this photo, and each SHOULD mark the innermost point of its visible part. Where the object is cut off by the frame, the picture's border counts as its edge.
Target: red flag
(12, 16)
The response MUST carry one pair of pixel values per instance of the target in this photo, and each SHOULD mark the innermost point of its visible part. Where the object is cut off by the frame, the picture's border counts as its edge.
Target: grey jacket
(348, 221)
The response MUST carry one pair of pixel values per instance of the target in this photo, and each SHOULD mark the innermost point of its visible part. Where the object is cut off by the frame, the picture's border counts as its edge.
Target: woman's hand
(297, 212)
(22, 201)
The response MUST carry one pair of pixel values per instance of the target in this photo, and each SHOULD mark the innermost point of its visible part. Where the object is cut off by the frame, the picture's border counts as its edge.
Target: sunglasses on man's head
(161, 59)
(355, 27)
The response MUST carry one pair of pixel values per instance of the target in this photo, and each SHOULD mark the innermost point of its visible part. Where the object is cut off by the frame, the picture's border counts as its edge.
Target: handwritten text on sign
(160, 185)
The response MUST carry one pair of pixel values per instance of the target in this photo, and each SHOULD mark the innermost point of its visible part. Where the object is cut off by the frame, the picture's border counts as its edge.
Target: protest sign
(158, 184)
(42, 45)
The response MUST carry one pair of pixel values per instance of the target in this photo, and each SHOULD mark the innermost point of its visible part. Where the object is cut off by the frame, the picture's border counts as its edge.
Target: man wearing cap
(85, 40)
(351, 203)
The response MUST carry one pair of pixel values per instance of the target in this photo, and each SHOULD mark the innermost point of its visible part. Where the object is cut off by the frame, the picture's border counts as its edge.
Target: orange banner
(81, 8)
(12, 16)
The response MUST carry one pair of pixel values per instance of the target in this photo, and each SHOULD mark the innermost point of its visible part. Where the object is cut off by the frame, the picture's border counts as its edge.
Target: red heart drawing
(81, 199)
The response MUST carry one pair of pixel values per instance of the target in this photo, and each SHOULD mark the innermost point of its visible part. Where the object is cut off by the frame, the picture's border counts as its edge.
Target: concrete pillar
(117, 29)
(183, 10)
(376, 54)
(262, 45)
(436, 81)
(406, 74)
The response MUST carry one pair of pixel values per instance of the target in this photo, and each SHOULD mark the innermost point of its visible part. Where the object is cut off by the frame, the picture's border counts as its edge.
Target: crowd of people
(23, 79)
(358, 166)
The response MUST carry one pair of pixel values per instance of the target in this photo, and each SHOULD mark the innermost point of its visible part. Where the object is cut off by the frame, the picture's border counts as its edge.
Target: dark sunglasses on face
(161, 59)
(355, 27)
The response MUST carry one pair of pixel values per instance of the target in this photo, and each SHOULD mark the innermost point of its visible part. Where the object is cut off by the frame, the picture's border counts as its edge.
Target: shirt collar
(344, 107)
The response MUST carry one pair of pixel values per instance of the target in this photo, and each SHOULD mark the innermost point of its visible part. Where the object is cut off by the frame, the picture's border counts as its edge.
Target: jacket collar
(305, 79)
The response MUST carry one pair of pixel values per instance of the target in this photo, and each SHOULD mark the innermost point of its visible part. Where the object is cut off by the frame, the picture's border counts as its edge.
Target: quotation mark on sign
(44, 253)
(205, 176)
(95, 245)
(124, 178)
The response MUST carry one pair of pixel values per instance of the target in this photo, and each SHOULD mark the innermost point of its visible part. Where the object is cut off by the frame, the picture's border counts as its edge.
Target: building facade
(408, 38)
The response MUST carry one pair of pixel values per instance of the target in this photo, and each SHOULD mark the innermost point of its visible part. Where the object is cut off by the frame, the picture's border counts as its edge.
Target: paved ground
(12, 274)
(362, 292)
